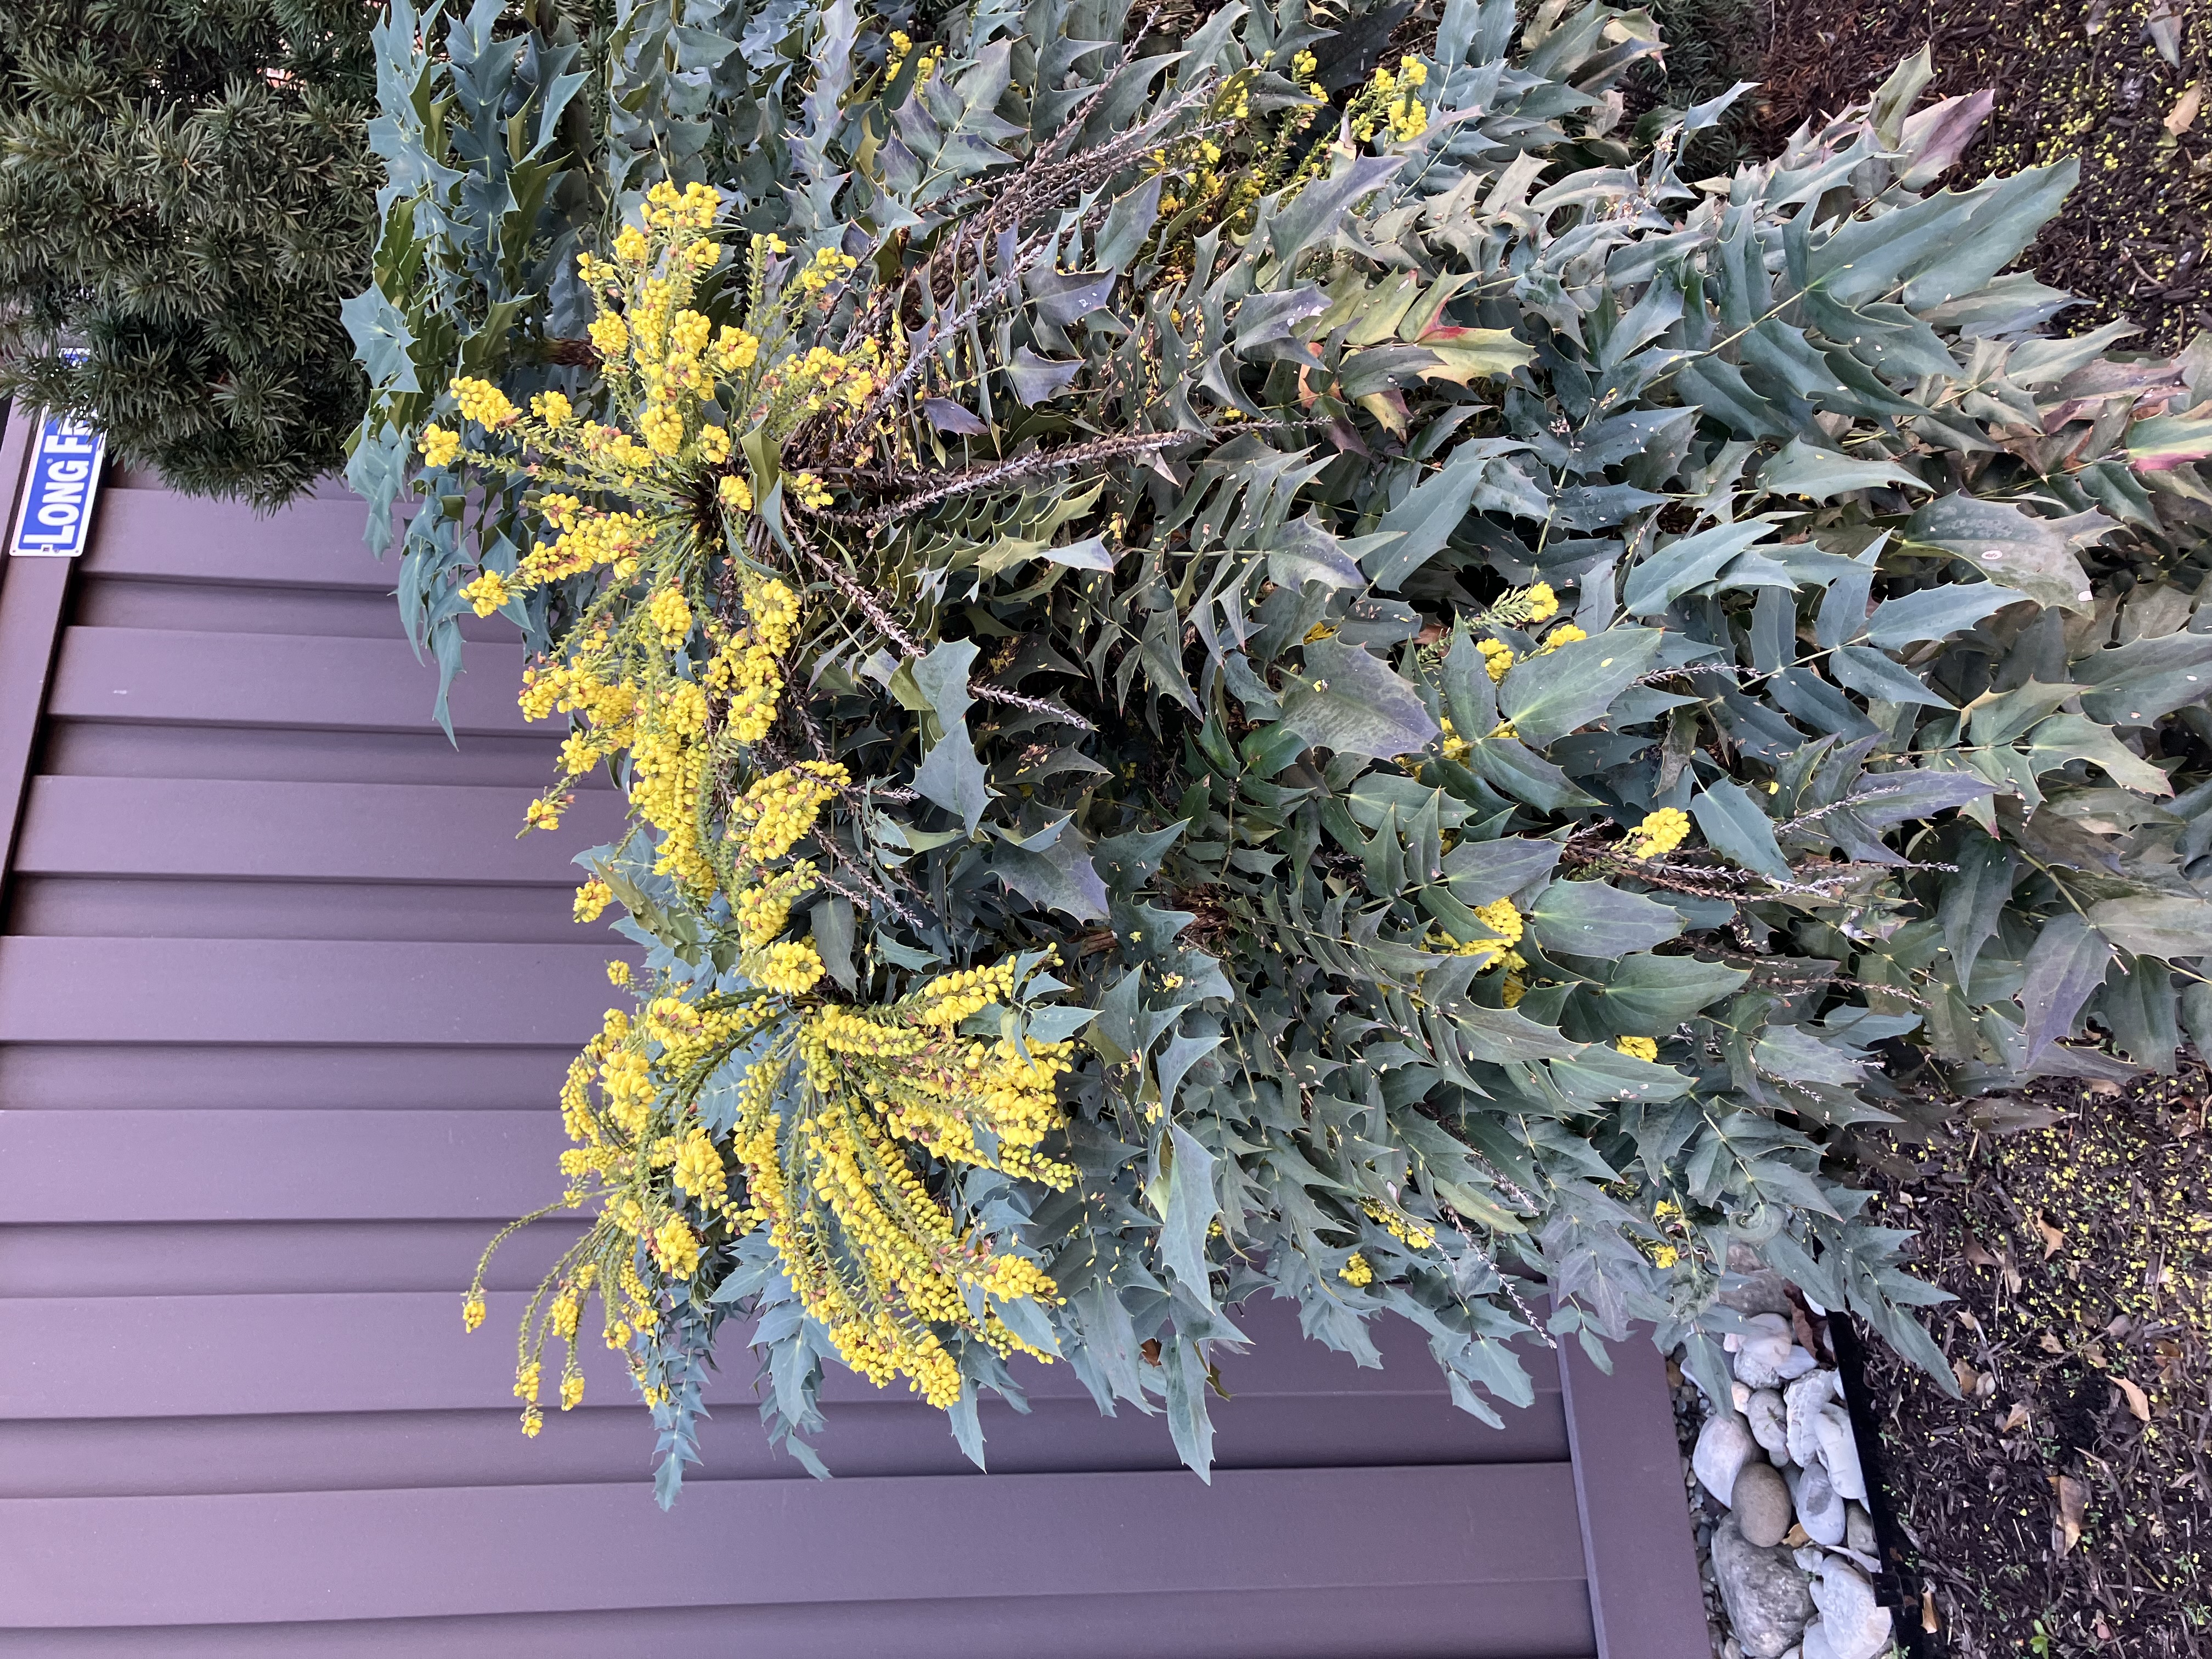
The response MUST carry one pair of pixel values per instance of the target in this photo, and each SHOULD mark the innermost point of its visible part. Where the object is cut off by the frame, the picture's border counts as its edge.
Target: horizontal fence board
(287, 991)
(86, 1075)
(269, 1258)
(145, 674)
(890, 1434)
(465, 1550)
(97, 748)
(257, 608)
(1402, 1621)
(314, 543)
(320, 832)
(212, 1356)
(277, 1165)
(113, 907)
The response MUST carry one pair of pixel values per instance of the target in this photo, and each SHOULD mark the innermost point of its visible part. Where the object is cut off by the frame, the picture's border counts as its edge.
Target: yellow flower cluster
(779, 809)
(483, 403)
(1403, 1228)
(901, 46)
(827, 266)
(822, 1134)
(1391, 101)
(1660, 834)
(1638, 1048)
(439, 446)
(1454, 747)
(1505, 925)
(1356, 1272)
(789, 969)
(1496, 657)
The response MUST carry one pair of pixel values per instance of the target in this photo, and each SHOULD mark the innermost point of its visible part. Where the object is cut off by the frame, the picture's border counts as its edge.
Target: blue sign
(55, 520)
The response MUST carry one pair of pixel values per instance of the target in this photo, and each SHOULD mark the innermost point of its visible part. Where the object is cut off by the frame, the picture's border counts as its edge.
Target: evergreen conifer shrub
(187, 193)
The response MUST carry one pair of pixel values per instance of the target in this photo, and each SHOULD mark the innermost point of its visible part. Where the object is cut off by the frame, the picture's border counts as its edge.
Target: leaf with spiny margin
(1356, 704)
(2161, 925)
(1303, 551)
(1644, 995)
(1862, 669)
(1553, 693)
(2065, 738)
(1054, 869)
(1973, 901)
(2146, 679)
(2064, 965)
(1483, 871)
(1594, 919)
(1687, 562)
(1191, 1208)
(1936, 613)
(1128, 862)
(2005, 545)
(1039, 379)
(1803, 469)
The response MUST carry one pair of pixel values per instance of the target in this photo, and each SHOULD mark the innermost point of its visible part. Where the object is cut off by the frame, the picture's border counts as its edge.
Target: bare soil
(2062, 1506)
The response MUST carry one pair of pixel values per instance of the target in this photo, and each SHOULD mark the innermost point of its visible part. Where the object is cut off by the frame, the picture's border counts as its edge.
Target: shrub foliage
(1238, 679)
(186, 193)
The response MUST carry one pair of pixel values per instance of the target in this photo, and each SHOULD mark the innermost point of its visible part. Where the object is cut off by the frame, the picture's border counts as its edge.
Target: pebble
(1724, 1447)
(1767, 1601)
(1769, 1422)
(1820, 1507)
(1858, 1532)
(1853, 1624)
(1802, 1403)
(1769, 1353)
(1761, 1503)
(1839, 1450)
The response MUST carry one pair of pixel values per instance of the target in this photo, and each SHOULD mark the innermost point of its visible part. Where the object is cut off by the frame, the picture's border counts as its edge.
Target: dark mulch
(2064, 1505)
(2072, 78)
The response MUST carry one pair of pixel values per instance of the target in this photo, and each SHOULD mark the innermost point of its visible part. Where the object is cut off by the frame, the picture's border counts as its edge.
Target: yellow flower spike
(1356, 1272)
(630, 245)
(486, 592)
(483, 403)
(472, 1313)
(593, 899)
(610, 337)
(618, 973)
(439, 446)
(552, 408)
(1498, 657)
(1660, 834)
(1638, 1048)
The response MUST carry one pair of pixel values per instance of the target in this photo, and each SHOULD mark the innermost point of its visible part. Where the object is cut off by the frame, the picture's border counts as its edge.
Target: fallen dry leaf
(1796, 1538)
(1928, 1621)
(1965, 1316)
(2138, 1402)
(2073, 1503)
(1969, 1378)
(2103, 1086)
(2050, 1344)
(2183, 115)
(1978, 1255)
(2014, 1419)
(2052, 1239)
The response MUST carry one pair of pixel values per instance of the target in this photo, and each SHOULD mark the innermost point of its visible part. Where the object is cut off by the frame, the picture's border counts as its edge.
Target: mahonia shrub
(1235, 680)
